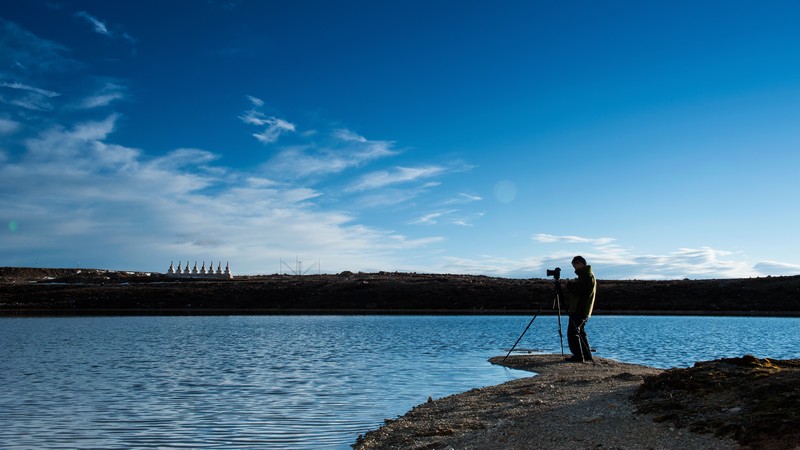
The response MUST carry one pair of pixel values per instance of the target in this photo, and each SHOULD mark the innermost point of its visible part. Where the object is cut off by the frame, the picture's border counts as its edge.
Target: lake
(298, 381)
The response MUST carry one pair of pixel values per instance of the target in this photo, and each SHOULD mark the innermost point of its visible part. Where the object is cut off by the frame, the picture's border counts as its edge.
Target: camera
(555, 273)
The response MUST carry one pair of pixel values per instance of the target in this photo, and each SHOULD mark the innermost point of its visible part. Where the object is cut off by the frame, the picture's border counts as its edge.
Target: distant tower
(186, 270)
(203, 269)
(171, 270)
(219, 268)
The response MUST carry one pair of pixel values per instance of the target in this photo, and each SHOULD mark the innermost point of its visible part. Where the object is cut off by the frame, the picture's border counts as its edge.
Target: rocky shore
(729, 403)
(32, 291)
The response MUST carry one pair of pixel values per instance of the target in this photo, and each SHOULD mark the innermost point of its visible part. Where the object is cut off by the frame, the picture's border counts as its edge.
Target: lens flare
(505, 191)
(12, 226)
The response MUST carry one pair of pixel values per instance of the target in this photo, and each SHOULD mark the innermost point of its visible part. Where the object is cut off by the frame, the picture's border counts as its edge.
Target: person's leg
(573, 337)
(584, 341)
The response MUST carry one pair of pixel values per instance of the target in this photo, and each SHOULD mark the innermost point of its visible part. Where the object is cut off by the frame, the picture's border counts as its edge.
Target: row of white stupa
(201, 272)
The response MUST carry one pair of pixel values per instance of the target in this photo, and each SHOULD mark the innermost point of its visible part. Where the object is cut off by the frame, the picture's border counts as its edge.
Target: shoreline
(562, 405)
(55, 312)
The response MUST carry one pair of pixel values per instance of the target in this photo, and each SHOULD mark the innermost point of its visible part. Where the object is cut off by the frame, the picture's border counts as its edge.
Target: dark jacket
(582, 292)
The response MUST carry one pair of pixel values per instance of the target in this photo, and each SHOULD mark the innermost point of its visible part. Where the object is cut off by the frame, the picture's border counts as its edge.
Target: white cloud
(343, 151)
(255, 100)
(432, 218)
(98, 25)
(776, 268)
(34, 89)
(275, 126)
(466, 221)
(398, 175)
(29, 97)
(183, 157)
(450, 216)
(614, 263)
(463, 198)
(551, 239)
(100, 100)
(8, 126)
(104, 96)
(77, 196)
(55, 145)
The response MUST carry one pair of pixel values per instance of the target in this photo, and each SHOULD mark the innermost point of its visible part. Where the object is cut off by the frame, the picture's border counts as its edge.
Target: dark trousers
(576, 336)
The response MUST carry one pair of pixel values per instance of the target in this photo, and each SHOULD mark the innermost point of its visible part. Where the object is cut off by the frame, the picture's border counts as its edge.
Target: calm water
(296, 381)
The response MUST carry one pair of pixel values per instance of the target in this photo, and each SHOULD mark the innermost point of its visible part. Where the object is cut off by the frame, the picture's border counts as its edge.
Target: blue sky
(659, 140)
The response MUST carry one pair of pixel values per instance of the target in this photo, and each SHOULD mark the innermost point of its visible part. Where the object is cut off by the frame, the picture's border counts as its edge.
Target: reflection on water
(295, 381)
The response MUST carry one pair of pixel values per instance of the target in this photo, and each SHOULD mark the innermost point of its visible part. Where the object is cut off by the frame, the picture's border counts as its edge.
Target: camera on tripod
(556, 274)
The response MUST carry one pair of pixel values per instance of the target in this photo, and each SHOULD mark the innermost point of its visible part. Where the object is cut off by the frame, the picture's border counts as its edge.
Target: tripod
(556, 304)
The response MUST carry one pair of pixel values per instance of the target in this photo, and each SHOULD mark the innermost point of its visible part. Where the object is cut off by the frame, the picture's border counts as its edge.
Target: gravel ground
(565, 406)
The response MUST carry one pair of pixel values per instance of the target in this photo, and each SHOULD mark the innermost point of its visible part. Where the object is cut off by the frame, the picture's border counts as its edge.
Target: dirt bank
(729, 403)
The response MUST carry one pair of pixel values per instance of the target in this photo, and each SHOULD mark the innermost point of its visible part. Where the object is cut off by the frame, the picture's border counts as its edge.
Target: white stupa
(203, 272)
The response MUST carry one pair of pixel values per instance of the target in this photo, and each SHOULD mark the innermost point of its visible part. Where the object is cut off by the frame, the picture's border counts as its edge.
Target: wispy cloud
(335, 153)
(551, 239)
(31, 98)
(104, 96)
(25, 87)
(28, 53)
(620, 263)
(462, 198)
(432, 218)
(32, 65)
(100, 27)
(8, 126)
(397, 175)
(274, 126)
(255, 101)
(449, 216)
(615, 261)
(777, 268)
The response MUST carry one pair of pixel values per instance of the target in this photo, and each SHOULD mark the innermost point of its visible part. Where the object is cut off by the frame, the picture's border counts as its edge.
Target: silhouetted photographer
(581, 302)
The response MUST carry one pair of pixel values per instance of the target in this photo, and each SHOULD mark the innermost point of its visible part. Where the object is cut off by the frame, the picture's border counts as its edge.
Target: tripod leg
(523, 333)
(560, 334)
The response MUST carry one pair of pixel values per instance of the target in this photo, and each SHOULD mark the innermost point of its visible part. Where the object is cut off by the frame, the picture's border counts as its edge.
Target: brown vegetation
(80, 291)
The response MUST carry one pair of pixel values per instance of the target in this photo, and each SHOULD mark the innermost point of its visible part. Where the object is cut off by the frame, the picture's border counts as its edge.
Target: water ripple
(293, 382)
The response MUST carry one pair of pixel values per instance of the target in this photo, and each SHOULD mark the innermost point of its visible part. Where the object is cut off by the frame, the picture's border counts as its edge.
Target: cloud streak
(398, 175)
(342, 150)
(25, 87)
(104, 96)
(553, 239)
(100, 27)
(274, 127)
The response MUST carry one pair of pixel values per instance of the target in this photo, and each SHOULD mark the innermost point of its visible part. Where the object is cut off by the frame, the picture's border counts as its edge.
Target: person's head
(578, 262)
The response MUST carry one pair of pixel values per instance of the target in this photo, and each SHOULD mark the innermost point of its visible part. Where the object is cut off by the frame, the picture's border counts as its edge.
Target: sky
(660, 140)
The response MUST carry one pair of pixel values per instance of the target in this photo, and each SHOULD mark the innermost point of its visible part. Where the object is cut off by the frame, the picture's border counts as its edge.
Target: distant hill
(97, 291)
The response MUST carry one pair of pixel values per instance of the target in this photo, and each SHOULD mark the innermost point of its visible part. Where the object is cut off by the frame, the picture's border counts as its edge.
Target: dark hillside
(85, 291)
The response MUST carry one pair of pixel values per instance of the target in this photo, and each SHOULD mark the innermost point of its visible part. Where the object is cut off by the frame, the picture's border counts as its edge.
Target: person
(582, 293)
